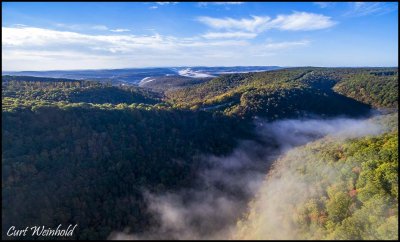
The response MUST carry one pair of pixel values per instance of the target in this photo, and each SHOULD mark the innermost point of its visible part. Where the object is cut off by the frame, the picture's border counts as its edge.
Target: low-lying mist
(211, 209)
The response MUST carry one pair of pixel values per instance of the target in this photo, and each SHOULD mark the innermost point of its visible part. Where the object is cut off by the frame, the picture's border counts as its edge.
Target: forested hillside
(89, 163)
(289, 92)
(376, 87)
(330, 189)
(73, 91)
(83, 152)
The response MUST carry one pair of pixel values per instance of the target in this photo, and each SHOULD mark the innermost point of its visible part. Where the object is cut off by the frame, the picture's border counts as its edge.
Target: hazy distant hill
(7, 78)
(135, 75)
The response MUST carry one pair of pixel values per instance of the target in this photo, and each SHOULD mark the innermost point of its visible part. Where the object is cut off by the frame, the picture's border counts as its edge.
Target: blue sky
(62, 35)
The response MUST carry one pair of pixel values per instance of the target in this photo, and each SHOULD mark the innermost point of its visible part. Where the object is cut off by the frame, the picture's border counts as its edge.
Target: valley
(200, 120)
(180, 157)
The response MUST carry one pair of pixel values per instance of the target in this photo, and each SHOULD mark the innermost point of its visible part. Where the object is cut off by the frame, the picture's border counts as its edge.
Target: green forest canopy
(111, 141)
(352, 187)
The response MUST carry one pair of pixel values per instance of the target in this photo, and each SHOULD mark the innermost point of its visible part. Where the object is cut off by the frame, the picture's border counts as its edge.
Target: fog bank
(212, 209)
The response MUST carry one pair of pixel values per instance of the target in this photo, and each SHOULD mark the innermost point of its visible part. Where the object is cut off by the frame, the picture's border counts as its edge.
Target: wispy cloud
(285, 44)
(273, 48)
(302, 21)
(84, 27)
(324, 4)
(203, 4)
(19, 25)
(159, 4)
(119, 30)
(40, 48)
(358, 9)
(253, 24)
(100, 27)
(36, 37)
(295, 22)
(80, 27)
(166, 3)
(222, 35)
(227, 3)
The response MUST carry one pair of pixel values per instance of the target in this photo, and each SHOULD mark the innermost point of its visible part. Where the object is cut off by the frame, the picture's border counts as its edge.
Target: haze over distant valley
(142, 75)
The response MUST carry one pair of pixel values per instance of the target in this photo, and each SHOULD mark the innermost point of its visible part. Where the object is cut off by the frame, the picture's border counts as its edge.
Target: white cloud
(222, 35)
(285, 45)
(295, 22)
(80, 27)
(162, 4)
(19, 25)
(166, 3)
(83, 27)
(68, 26)
(251, 25)
(203, 4)
(100, 27)
(359, 9)
(119, 30)
(302, 21)
(32, 48)
(31, 37)
(227, 3)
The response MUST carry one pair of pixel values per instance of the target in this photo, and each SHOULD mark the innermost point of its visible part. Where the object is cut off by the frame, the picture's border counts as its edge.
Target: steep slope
(291, 92)
(88, 164)
(334, 188)
(376, 87)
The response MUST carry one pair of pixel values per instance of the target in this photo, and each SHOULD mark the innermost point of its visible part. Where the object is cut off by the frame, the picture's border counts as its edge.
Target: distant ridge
(135, 75)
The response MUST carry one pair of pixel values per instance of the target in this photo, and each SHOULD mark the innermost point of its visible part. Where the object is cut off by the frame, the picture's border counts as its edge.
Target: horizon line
(153, 67)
